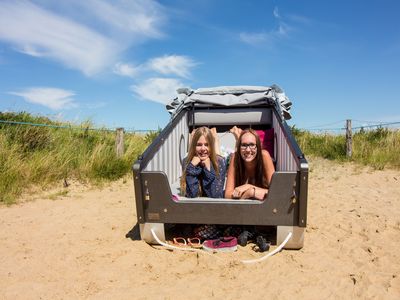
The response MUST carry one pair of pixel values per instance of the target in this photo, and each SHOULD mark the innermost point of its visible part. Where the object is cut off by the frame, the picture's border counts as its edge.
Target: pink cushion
(267, 140)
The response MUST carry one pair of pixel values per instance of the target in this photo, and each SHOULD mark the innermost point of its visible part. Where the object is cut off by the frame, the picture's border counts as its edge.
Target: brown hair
(206, 132)
(240, 176)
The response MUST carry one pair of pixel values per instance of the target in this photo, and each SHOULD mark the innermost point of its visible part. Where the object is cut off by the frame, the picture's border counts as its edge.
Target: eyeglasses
(244, 146)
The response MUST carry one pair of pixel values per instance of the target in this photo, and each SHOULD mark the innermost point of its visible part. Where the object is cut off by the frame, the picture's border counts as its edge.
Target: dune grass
(40, 156)
(33, 155)
(378, 148)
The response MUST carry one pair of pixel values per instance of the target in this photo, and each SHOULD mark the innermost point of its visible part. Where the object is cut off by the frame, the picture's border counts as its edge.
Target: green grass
(31, 155)
(41, 156)
(377, 148)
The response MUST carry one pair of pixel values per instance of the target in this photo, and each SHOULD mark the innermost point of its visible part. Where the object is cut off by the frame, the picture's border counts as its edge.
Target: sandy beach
(73, 246)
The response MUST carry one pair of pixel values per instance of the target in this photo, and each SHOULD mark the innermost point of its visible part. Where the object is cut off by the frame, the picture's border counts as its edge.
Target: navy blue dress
(212, 185)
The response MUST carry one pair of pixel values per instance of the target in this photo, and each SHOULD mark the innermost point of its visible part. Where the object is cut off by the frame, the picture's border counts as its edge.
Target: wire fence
(119, 131)
(348, 128)
(128, 130)
(359, 126)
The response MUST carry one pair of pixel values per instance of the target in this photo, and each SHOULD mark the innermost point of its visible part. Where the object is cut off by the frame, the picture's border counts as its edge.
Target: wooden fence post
(349, 139)
(119, 142)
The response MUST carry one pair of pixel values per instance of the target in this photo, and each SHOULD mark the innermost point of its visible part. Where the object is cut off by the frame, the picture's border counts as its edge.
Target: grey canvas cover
(232, 96)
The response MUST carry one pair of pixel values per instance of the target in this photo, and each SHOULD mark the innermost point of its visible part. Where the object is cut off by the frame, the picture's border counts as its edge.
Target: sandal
(194, 242)
(179, 242)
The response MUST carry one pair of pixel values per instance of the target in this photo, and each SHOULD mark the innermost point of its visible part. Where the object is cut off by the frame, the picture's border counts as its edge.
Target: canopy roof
(232, 96)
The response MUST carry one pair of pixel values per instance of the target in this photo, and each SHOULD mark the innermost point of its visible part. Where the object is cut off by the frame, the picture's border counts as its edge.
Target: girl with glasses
(251, 168)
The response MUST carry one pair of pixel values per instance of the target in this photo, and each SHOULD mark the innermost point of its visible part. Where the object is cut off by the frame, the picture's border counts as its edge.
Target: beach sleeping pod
(157, 172)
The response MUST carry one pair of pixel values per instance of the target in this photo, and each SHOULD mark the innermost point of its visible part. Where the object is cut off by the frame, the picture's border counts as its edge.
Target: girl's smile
(202, 148)
(248, 147)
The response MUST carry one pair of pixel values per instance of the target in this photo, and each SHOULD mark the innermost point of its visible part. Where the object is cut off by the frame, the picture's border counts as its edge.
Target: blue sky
(119, 62)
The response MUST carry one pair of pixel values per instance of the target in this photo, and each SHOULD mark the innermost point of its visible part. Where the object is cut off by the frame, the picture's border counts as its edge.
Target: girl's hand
(206, 163)
(249, 191)
(241, 191)
(260, 194)
(195, 160)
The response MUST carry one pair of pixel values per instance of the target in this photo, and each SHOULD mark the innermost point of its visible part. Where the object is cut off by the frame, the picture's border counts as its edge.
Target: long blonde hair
(199, 132)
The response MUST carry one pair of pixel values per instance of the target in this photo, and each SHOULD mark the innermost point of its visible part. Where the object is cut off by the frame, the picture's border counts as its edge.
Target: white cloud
(270, 37)
(39, 32)
(276, 12)
(127, 70)
(172, 65)
(178, 65)
(30, 50)
(140, 16)
(52, 98)
(161, 90)
(283, 29)
(253, 38)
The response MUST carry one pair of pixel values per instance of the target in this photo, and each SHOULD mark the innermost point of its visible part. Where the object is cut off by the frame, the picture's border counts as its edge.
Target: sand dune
(75, 247)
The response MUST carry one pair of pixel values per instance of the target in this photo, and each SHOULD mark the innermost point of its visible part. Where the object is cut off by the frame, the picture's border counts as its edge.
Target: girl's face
(248, 147)
(202, 148)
